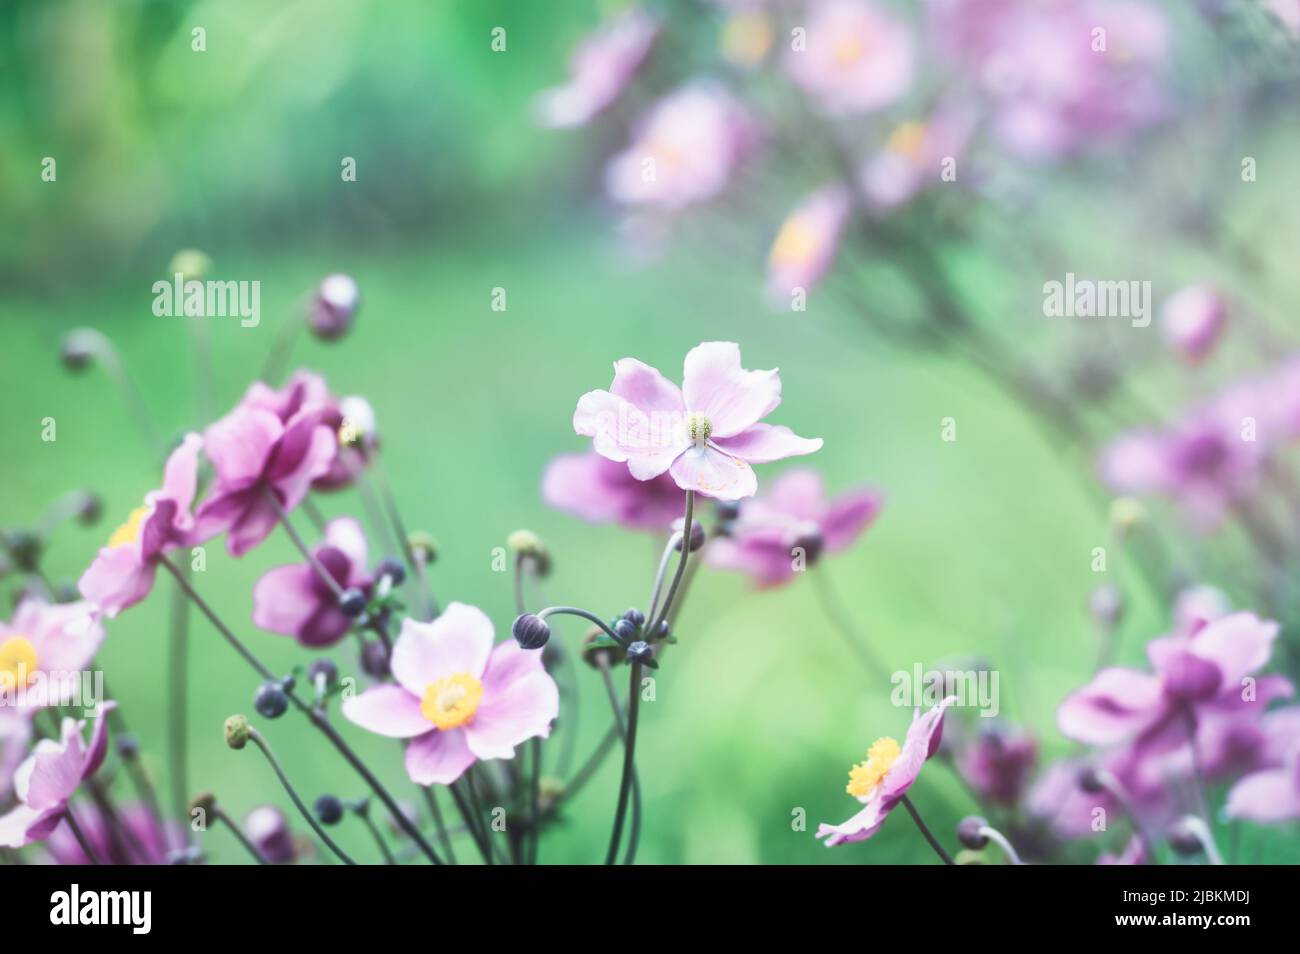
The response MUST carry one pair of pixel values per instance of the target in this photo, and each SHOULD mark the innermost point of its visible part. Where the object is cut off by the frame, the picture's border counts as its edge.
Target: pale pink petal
(438, 758)
(458, 641)
(522, 709)
(715, 385)
(858, 828)
(1269, 797)
(346, 534)
(644, 387)
(798, 493)
(509, 662)
(387, 710)
(239, 445)
(181, 473)
(1115, 706)
(24, 825)
(763, 443)
(850, 514)
(648, 440)
(285, 598)
(709, 471)
(116, 580)
(1239, 644)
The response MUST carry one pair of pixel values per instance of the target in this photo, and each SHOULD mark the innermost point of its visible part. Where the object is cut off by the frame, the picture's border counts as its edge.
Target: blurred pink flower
(705, 434)
(1059, 76)
(457, 698)
(44, 649)
(997, 764)
(913, 158)
(1192, 319)
(857, 57)
(1194, 606)
(294, 601)
(884, 778)
(805, 246)
(1272, 795)
(144, 839)
(1134, 853)
(795, 512)
(46, 780)
(255, 453)
(599, 70)
(268, 830)
(684, 152)
(1208, 675)
(306, 390)
(603, 491)
(15, 736)
(123, 572)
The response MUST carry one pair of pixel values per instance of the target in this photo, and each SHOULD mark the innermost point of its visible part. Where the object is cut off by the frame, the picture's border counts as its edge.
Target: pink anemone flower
(1272, 794)
(705, 434)
(794, 513)
(858, 57)
(804, 249)
(123, 573)
(43, 651)
(294, 601)
(45, 782)
(601, 67)
(457, 698)
(1192, 320)
(144, 839)
(256, 454)
(884, 778)
(600, 490)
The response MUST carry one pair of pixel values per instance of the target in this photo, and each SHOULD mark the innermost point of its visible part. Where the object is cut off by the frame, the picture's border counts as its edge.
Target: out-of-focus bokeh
(985, 547)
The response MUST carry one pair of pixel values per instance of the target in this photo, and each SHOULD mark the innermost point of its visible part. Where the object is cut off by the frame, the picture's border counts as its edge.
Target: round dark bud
(392, 569)
(374, 659)
(640, 651)
(323, 671)
(289, 683)
(128, 746)
(423, 546)
(1183, 838)
(89, 508)
(203, 802)
(270, 700)
(662, 631)
(26, 549)
(635, 617)
(624, 630)
(328, 809)
(727, 510)
(697, 537)
(78, 349)
(970, 832)
(352, 602)
(530, 631)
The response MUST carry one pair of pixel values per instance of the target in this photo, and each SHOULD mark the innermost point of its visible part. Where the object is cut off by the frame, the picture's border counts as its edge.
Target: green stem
(240, 837)
(629, 745)
(303, 810)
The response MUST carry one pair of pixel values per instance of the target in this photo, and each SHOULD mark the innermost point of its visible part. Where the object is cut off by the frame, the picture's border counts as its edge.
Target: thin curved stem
(629, 759)
(240, 837)
(934, 842)
(661, 574)
(575, 611)
(80, 835)
(839, 618)
(634, 833)
(379, 838)
(687, 519)
(992, 834)
(261, 743)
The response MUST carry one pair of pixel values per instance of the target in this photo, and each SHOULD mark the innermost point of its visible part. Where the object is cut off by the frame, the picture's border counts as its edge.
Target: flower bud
(191, 264)
(323, 672)
(970, 834)
(1127, 514)
(268, 829)
(328, 809)
(599, 651)
(334, 307)
(374, 659)
(640, 652)
(624, 630)
(357, 429)
(525, 543)
(726, 510)
(87, 508)
(128, 747)
(635, 617)
(530, 631)
(203, 802)
(1091, 781)
(270, 700)
(237, 731)
(423, 546)
(1106, 605)
(697, 534)
(392, 569)
(352, 602)
(26, 549)
(79, 349)
(1184, 838)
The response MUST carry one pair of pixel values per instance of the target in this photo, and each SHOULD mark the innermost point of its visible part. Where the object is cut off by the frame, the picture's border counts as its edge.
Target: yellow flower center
(849, 49)
(452, 700)
(908, 139)
(129, 532)
(746, 37)
(17, 662)
(795, 244)
(865, 776)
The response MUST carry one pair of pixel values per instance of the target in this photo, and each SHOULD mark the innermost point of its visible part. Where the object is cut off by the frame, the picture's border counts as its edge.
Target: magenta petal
(438, 758)
(285, 598)
(24, 825)
(522, 709)
(98, 741)
(713, 473)
(116, 580)
(458, 641)
(1116, 705)
(346, 535)
(181, 473)
(254, 523)
(293, 483)
(850, 514)
(763, 443)
(1239, 644)
(714, 384)
(240, 444)
(1269, 797)
(387, 710)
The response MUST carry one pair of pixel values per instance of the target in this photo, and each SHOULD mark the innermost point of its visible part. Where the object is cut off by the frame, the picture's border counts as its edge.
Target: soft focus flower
(44, 649)
(143, 839)
(858, 57)
(747, 37)
(1273, 794)
(884, 778)
(705, 434)
(684, 152)
(268, 444)
(268, 830)
(1194, 606)
(334, 307)
(15, 736)
(1054, 89)
(457, 698)
(601, 490)
(600, 69)
(805, 247)
(294, 601)
(913, 158)
(123, 572)
(795, 512)
(1192, 319)
(1206, 675)
(46, 780)
(1134, 853)
(997, 764)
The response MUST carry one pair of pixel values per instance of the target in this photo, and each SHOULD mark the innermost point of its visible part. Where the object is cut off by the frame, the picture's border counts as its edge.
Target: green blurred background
(983, 548)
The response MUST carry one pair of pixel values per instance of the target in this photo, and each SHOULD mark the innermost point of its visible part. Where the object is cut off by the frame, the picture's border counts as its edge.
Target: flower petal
(648, 440)
(858, 828)
(457, 641)
(1270, 796)
(346, 535)
(526, 708)
(645, 388)
(285, 598)
(713, 473)
(438, 757)
(240, 444)
(850, 514)
(714, 384)
(763, 443)
(1239, 644)
(387, 710)
(1116, 705)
